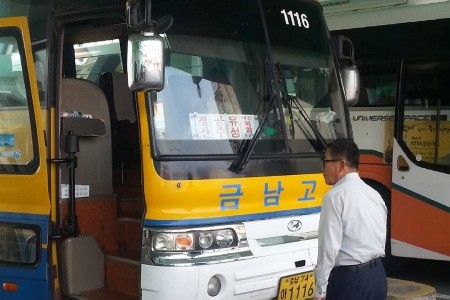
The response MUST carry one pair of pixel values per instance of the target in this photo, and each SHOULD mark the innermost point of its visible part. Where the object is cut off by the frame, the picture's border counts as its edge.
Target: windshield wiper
(247, 146)
(274, 101)
(319, 144)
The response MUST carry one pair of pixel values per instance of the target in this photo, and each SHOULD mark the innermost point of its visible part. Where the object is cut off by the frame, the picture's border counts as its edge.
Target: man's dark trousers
(359, 282)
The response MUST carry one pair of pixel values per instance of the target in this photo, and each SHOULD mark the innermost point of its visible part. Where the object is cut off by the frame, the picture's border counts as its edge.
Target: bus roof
(345, 14)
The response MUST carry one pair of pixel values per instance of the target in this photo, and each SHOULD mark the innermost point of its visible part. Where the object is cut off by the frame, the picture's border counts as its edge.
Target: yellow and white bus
(402, 119)
(202, 181)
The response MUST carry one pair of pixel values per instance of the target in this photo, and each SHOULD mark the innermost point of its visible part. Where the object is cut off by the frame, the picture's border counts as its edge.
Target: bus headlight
(164, 242)
(205, 240)
(194, 245)
(224, 238)
(196, 240)
(184, 242)
(173, 242)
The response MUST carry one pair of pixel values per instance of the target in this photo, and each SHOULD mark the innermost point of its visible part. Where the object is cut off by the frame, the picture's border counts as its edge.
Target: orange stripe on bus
(420, 224)
(371, 159)
(373, 167)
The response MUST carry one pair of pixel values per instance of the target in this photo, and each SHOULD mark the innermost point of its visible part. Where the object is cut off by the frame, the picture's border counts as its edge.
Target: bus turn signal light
(10, 287)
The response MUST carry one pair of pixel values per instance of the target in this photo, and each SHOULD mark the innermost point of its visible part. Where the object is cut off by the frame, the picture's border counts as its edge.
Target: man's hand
(319, 298)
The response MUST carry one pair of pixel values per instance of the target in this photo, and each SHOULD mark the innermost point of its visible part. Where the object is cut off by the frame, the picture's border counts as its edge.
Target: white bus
(176, 164)
(402, 119)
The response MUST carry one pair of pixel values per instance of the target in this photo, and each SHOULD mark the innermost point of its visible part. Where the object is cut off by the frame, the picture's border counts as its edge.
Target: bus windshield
(35, 11)
(220, 79)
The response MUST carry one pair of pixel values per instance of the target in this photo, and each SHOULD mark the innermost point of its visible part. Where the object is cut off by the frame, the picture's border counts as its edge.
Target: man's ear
(344, 167)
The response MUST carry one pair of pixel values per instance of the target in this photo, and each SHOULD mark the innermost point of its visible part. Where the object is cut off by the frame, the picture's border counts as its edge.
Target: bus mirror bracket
(344, 49)
(70, 223)
(71, 147)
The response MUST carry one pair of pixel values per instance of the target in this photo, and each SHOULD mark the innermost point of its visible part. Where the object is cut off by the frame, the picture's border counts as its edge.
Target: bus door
(24, 197)
(421, 162)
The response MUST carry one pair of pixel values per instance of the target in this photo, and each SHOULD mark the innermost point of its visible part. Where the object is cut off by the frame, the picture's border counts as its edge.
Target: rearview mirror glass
(145, 62)
(350, 79)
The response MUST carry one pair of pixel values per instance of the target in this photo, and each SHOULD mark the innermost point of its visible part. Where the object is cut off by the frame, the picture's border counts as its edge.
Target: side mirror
(345, 53)
(350, 80)
(145, 62)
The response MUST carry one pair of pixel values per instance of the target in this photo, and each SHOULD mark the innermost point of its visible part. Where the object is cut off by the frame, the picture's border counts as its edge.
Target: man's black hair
(345, 149)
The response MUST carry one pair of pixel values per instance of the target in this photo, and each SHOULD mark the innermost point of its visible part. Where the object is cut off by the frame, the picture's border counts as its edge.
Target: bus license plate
(296, 287)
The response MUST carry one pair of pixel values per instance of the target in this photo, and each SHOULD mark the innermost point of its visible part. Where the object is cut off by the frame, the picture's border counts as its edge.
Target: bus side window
(378, 83)
(41, 78)
(363, 98)
(18, 245)
(427, 132)
(18, 155)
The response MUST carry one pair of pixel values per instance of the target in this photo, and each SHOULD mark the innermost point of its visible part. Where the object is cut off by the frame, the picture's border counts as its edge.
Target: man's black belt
(361, 267)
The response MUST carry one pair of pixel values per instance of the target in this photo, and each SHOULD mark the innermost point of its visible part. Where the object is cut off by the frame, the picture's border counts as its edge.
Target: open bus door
(24, 196)
(420, 226)
(418, 209)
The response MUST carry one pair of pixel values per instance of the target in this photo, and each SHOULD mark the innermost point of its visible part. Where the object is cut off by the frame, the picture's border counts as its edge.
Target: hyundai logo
(294, 225)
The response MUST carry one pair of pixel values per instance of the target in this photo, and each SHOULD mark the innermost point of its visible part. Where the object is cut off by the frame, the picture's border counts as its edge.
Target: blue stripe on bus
(233, 219)
(23, 216)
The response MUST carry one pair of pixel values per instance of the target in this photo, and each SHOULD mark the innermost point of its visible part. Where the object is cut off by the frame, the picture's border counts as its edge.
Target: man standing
(352, 231)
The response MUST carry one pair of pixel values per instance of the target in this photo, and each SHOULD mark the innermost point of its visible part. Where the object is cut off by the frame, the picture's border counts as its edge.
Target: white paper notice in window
(222, 126)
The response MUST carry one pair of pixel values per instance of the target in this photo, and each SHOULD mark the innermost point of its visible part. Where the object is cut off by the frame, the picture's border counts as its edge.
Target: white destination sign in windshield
(222, 126)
